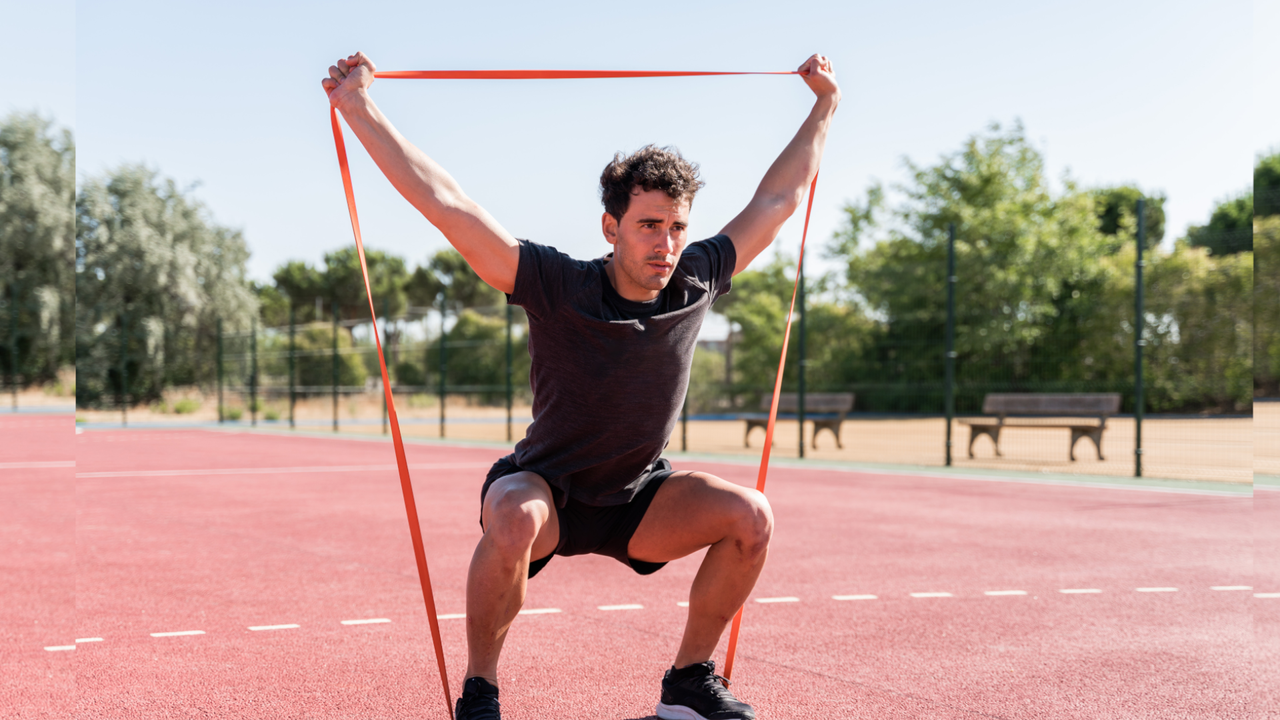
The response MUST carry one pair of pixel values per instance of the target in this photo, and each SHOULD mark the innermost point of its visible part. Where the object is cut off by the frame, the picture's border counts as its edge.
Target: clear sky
(225, 97)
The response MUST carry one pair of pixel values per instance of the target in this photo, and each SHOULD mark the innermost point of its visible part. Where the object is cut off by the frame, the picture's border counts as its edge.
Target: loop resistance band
(406, 486)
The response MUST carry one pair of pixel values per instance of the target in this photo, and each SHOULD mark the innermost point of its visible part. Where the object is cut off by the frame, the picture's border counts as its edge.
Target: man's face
(647, 243)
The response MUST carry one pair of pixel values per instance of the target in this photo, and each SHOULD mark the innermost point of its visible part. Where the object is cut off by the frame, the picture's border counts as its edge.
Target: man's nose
(666, 243)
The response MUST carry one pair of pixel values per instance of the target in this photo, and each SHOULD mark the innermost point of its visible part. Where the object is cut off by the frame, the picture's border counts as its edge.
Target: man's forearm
(790, 175)
(426, 185)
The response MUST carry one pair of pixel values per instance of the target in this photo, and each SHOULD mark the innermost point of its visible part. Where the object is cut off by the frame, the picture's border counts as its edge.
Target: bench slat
(813, 402)
(1051, 404)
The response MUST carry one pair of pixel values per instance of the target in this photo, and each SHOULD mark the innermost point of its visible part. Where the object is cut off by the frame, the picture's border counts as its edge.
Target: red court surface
(951, 592)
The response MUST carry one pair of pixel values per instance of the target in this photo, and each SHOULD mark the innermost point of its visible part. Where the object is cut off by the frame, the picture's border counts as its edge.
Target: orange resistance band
(406, 486)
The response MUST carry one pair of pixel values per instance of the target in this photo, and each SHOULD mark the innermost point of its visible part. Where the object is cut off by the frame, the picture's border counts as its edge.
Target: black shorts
(588, 529)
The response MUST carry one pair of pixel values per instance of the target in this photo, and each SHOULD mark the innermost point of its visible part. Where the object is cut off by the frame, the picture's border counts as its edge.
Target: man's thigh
(522, 495)
(693, 510)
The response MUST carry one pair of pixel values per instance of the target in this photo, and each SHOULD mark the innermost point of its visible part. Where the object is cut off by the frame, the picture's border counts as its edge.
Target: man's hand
(820, 76)
(348, 78)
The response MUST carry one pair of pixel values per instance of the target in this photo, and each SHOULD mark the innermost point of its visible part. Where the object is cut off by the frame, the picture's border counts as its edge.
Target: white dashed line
(931, 594)
(1267, 595)
(260, 628)
(683, 603)
(540, 611)
(998, 593)
(778, 600)
(1231, 587)
(56, 648)
(270, 470)
(453, 616)
(83, 640)
(38, 465)
(853, 597)
(1080, 591)
(1156, 589)
(620, 607)
(370, 621)
(179, 633)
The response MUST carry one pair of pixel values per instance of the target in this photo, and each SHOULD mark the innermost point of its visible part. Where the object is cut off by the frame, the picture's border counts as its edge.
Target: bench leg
(752, 425)
(835, 430)
(1094, 434)
(976, 432)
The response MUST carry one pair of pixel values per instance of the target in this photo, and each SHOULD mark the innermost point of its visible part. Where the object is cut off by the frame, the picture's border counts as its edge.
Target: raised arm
(490, 250)
(783, 187)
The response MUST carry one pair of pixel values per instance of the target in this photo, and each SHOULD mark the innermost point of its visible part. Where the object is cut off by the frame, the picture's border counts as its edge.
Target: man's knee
(515, 509)
(754, 523)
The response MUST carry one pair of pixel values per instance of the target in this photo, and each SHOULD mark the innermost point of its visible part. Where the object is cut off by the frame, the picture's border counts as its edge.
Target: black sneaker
(479, 701)
(698, 693)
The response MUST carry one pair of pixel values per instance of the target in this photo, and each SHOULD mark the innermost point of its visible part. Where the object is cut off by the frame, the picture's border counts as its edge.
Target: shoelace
(718, 685)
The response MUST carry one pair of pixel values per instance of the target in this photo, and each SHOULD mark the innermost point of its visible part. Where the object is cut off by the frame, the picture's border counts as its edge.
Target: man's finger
(336, 74)
(344, 67)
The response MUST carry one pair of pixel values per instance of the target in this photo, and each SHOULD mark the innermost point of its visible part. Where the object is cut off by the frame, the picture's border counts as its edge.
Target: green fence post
(510, 372)
(800, 364)
(13, 343)
(950, 390)
(444, 368)
(220, 371)
(386, 338)
(334, 381)
(293, 387)
(253, 372)
(124, 368)
(1138, 342)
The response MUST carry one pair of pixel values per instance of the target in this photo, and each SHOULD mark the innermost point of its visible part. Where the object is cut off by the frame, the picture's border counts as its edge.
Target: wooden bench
(1056, 405)
(832, 407)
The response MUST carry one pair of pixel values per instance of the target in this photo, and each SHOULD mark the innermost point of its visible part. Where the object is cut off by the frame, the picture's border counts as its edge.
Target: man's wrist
(354, 102)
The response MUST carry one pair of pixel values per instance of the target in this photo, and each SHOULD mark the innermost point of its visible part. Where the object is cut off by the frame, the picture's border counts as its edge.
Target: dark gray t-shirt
(609, 375)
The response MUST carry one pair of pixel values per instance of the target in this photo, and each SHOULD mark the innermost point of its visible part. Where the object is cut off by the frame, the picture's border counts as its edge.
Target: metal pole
(386, 339)
(950, 390)
(800, 365)
(220, 415)
(293, 349)
(510, 372)
(444, 368)
(253, 373)
(13, 341)
(684, 424)
(1138, 341)
(334, 355)
(124, 368)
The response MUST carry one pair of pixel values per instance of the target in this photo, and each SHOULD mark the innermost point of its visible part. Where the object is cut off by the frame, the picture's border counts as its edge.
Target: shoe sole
(678, 712)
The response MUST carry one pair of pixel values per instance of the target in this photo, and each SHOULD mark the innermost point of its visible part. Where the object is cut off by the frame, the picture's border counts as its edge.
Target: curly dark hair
(649, 168)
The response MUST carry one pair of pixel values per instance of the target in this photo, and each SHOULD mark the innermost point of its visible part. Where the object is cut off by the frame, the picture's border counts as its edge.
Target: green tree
(154, 274)
(1230, 228)
(1266, 307)
(37, 233)
(1117, 209)
(340, 282)
(447, 274)
(1266, 185)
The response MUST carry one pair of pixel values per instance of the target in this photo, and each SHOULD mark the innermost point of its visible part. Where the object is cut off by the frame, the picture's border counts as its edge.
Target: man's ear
(609, 226)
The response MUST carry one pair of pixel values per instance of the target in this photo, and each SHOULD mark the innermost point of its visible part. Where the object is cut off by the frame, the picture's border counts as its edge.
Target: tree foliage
(37, 231)
(339, 283)
(154, 274)
(1266, 185)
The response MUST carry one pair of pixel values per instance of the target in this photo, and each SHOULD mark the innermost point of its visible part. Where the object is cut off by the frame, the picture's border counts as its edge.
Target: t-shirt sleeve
(712, 261)
(542, 277)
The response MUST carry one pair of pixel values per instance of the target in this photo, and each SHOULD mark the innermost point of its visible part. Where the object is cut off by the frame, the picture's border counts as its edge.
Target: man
(611, 342)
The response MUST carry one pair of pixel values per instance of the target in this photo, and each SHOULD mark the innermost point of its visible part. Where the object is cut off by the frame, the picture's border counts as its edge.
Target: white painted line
(38, 465)
(452, 616)
(1156, 589)
(56, 648)
(1231, 587)
(273, 470)
(540, 611)
(1080, 591)
(853, 597)
(683, 603)
(180, 633)
(80, 640)
(259, 628)
(778, 600)
(1266, 595)
(931, 594)
(620, 607)
(370, 621)
(998, 593)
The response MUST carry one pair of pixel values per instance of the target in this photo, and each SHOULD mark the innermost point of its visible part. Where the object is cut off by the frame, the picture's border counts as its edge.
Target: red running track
(165, 545)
